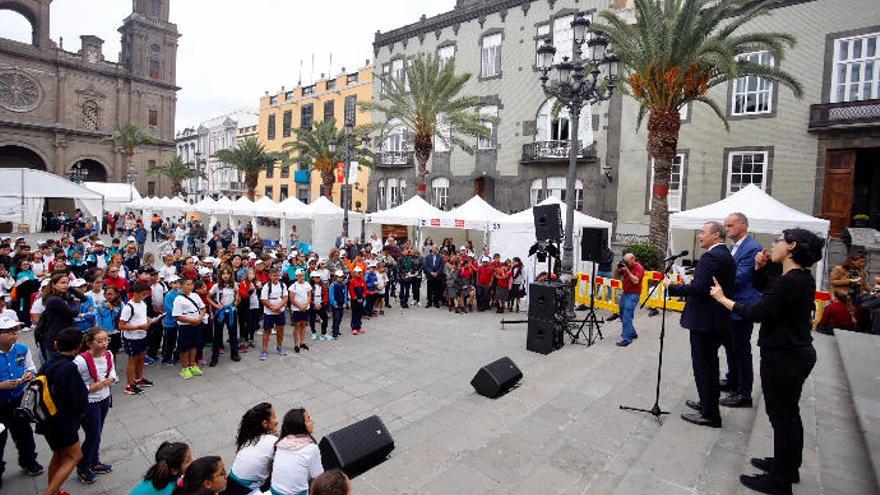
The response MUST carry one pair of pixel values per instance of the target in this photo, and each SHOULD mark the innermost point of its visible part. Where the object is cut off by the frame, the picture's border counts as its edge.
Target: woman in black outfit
(787, 353)
(62, 305)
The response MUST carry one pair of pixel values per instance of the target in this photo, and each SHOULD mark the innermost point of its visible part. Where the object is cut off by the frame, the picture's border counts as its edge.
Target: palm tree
(128, 138)
(249, 158)
(674, 54)
(312, 146)
(177, 172)
(429, 95)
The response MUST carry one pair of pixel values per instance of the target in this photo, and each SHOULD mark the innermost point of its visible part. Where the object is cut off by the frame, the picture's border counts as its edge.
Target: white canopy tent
(326, 224)
(116, 195)
(457, 224)
(515, 234)
(414, 212)
(23, 194)
(766, 216)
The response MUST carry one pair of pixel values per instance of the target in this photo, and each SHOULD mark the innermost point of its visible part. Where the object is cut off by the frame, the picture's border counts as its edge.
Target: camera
(621, 264)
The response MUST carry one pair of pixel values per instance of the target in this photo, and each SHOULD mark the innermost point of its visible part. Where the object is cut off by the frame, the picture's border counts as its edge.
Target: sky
(232, 51)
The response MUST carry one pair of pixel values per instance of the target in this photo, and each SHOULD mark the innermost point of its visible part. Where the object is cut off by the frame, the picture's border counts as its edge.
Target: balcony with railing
(394, 159)
(845, 115)
(553, 151)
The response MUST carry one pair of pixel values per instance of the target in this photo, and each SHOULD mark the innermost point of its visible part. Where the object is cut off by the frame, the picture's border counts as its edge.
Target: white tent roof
(30, 183)
(323, 206)
(206, 205)
(525, 220)
(412, 212)
(224, 205)
(765, 214)
(293, 208)
(265, 207)
(114, 191)
(475, 213)
(176, 203)
(243, 207)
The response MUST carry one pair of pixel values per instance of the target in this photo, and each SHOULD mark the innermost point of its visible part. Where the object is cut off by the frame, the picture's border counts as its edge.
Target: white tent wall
(33, 187)
(326, 228)
(517, 244)
(458, 236)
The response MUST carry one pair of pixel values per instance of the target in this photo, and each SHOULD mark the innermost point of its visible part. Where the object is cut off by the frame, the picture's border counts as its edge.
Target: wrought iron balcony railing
(551, 150)
(828, 116)
(396, 158)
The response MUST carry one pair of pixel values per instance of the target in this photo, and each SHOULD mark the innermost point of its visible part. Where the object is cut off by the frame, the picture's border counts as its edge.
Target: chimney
(92, 48)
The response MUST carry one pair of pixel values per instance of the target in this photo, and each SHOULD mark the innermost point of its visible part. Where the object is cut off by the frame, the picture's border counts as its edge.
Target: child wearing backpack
(107, 317)
(134, 322)
(97, 370)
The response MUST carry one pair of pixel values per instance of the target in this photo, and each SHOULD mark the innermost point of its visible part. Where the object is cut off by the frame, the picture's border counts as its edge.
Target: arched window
(393, 193)
(556, 187)
(16, 27)
(553, 126)
(380, 195)
(440, 192)
(536, 192)
(91, 118)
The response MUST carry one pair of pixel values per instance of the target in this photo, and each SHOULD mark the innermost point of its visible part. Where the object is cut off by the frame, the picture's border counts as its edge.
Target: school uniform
(134, 342)
(273, 293)
(14, 363)
(187, 334)
(338, 299)
(252, 465)
(92, 370)
(299, 293)
(169, 329)
(319, 308)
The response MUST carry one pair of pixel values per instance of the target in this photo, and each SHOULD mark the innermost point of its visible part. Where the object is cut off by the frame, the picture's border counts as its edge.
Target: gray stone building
(57, 106)
(820, 154)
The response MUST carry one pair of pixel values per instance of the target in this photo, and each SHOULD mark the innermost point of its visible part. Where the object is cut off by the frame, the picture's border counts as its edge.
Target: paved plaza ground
(561, 431)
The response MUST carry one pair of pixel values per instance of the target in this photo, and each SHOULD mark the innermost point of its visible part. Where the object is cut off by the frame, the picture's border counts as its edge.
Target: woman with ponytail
(172, 459)
(255, 448)
(205, 476)
(297, 458)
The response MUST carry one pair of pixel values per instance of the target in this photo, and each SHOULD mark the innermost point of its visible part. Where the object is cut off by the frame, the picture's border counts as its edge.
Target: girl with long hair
(297, 458)
(96, 367)
(107, 317)
(224, 299)
(255, 449)
(62, 305)
(249, 308)
(171, 461)
(517, 290)
(840, 314)
(204, 476)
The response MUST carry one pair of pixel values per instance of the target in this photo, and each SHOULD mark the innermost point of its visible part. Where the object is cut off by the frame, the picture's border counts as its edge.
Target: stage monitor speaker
(544, 336)
(547, 300)
(593, 244)
(357, 447)
(548, 222)
(496, 378)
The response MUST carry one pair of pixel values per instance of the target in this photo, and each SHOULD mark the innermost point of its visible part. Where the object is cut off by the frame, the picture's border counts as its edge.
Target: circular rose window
(18, 92)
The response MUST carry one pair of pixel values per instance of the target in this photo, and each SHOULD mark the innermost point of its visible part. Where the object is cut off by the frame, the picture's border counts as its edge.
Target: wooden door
(840, 171)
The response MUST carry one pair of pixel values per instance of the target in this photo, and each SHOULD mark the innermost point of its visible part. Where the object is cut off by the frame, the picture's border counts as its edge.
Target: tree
(249, 158)
(312, 146)
(674, 54)
(177, 172)
(430, 96)
(127, 139)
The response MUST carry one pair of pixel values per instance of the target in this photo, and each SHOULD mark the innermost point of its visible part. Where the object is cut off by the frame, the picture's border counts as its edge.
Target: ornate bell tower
(149, 42)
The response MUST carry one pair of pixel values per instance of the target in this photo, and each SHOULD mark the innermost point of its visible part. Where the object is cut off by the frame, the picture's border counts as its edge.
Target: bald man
(630, 271)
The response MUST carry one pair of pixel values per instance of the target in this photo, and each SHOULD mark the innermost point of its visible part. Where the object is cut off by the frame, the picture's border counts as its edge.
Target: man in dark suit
(738, 345)
(707, 320)
(434, 273)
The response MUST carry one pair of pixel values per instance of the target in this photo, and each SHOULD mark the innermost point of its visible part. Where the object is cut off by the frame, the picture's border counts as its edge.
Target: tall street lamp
(347, 154)
(578, 85)
(131, 177)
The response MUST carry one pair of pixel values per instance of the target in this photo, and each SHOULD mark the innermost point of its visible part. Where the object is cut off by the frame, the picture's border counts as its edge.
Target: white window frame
(492, 142)
(398, 69)
(556, 186)
(563, 38)
(762, 92)
(380, 194)
(542, 32)
(855, 74)
(393, 192)
(490, 55)
(765, 158)
(439, 192)
(536, 192)
(675, 198)
(443, 130)
(444, 54)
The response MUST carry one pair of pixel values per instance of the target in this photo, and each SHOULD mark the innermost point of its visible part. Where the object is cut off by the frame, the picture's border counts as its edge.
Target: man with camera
(630, 271)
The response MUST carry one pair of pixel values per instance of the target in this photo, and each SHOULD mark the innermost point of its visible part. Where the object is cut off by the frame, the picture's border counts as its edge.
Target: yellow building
(302, 107)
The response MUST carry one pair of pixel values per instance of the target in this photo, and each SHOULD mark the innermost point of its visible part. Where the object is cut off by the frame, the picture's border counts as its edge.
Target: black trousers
(21, 433)
(738, 347)
(229, 322)
(704, 358)
(483, 296)
(169, 350)
(316, 314)
(154, 339)
(415, 289)
(782, 378)
(435, 291)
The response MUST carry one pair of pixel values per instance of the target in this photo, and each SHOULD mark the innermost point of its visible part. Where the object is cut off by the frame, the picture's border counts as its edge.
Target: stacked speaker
(547, 303)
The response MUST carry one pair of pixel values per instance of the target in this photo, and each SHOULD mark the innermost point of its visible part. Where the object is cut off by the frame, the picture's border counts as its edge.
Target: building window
(746, 167)
(288, 96)
(306, 117)
(151, 189)
(396, 192)
(677, 173)
(398, 69)
(270, 128)
(155, 69)
(273, 100)
(285, 172)
(350, 110)
(445, 54)
(536, 192)
(556, 187)
(542, 32)
(270, 172)
(308, 90)
(268, 192)
(328, 111)
(491, 142)
(331, 85)
(395, 141)
(91, 115)
(491, 55)
(380, 195)
(351, 78)
(283, 193)
(153, 116)
(563, 37)
(440, 192)
(303, 194)
(856, 73)
(286, 123)
(753, 95)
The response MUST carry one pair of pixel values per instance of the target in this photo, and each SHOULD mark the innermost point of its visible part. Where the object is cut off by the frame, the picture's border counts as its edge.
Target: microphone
(677, 256)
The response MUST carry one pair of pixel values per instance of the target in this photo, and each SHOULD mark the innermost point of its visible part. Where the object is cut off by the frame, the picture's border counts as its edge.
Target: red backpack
(93, 370)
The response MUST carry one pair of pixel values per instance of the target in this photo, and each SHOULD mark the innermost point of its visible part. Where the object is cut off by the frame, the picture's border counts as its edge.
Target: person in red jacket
(841, 313)
(503, 280)
(357, 288)
(485, 277)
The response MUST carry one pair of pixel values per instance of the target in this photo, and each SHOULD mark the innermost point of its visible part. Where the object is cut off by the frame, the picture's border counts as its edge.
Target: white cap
(299, 271)
(258, 262)
(485, 258)
(252, 256)
(358, 269)
(339, 273)
(343, 254)
(77, 282)
(204, 271)
(195, 259)
(462, 248)
(172, 278)
(315, 274)
(322, 260)
(7, 323)
(131, 238)
(99, 242)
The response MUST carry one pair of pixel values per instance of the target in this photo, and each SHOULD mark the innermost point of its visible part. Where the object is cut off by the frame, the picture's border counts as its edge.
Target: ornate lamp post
(78, 174)
(578, 84)
(347, 154)
(131, 177)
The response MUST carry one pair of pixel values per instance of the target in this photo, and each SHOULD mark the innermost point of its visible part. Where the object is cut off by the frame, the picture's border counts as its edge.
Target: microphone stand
(655, 409)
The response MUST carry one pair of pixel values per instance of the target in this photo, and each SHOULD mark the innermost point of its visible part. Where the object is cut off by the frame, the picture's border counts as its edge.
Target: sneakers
(186, 374)
(361, 331)
(326, 337)
(102, 468)
(196, 371)
(169, 363)
(314, 336)
(148, 361)
(133, 390)
(143, 382)
(264, 355)
(34, 469)
(86, 478)
(201, 362)
(282, 351)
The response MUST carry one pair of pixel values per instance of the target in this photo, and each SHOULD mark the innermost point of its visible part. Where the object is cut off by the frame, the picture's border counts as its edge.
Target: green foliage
(648, 255)
(175, 170)
(249, 157)
(312, 146)
(128, 138)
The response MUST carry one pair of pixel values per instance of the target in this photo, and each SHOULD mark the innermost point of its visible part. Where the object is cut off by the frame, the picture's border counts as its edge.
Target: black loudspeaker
(548, 222)
(544, 336)
(546, 300)
(593, 244)
(357, 447)
(496, 378)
